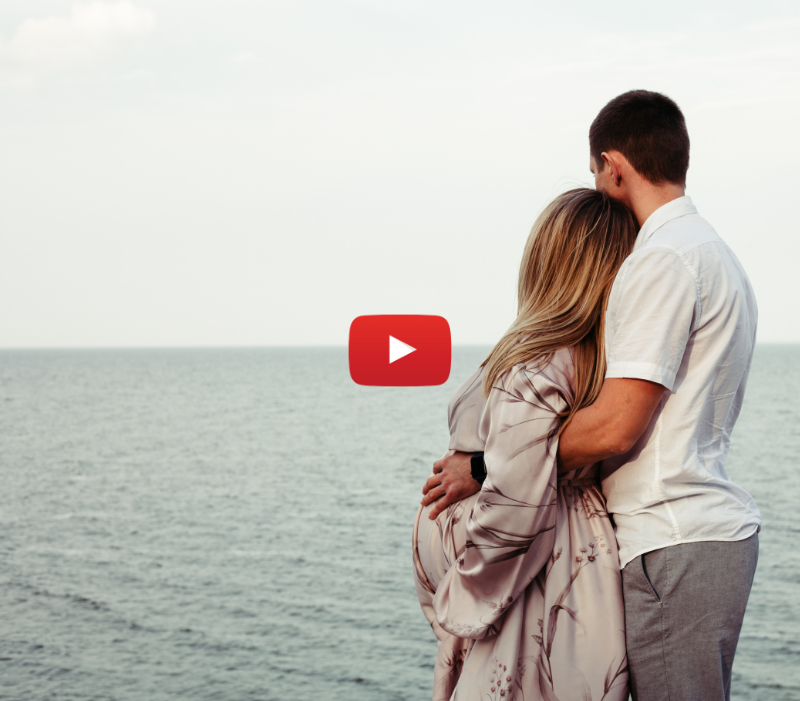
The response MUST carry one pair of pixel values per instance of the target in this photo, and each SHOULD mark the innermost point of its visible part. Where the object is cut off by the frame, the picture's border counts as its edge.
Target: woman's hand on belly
(450, 482)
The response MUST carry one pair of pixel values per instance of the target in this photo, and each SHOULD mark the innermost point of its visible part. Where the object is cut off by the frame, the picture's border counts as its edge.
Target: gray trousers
(684, 606)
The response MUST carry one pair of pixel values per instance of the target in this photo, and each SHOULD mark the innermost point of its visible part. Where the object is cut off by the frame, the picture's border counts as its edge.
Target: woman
(521, 582)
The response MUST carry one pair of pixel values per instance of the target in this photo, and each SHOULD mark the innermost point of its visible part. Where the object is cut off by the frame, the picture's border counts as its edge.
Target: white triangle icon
(398, 349)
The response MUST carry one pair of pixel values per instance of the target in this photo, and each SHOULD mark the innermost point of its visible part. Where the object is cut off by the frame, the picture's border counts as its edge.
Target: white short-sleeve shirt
(681, 313)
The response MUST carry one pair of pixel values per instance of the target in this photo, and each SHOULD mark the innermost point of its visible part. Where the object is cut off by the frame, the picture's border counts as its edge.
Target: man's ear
(614, 169)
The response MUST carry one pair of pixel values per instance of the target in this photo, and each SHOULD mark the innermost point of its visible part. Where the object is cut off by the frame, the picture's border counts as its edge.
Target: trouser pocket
(643, 562)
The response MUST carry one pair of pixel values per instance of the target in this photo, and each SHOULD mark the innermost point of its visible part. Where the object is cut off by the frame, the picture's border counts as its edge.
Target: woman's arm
(510, 532)
(452, 480)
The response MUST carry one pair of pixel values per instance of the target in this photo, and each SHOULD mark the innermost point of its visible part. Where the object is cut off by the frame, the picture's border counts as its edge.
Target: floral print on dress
(500, 681)
(520, 582)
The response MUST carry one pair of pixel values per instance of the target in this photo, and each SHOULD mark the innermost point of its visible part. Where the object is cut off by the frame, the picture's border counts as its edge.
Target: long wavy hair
(572, 255)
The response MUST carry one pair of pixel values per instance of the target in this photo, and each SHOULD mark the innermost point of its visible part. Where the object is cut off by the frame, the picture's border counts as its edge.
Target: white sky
(262, 172)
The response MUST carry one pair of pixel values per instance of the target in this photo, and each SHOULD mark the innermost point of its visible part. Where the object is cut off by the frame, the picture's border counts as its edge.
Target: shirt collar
(679, 207)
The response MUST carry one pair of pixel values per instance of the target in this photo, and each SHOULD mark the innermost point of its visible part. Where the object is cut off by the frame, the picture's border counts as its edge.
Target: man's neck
(647, 197)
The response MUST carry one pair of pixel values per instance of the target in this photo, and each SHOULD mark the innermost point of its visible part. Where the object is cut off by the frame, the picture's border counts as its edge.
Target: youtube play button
(399, 350)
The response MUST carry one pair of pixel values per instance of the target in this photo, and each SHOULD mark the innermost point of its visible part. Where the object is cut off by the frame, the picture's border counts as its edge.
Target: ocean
(236, 524)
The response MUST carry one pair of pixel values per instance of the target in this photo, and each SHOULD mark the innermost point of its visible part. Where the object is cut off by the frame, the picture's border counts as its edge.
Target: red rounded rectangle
(399, 350)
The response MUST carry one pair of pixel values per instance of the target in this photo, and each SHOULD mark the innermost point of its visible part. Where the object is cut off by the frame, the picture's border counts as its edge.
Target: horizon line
(265, 347)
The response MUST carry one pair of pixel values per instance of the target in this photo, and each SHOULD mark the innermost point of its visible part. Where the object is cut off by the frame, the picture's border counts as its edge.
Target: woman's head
(570, 260)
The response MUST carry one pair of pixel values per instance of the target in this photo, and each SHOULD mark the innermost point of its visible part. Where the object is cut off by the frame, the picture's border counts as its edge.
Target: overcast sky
(182, 173)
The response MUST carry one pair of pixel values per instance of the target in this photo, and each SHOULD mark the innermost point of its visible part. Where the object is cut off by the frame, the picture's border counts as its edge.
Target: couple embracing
(581, 538)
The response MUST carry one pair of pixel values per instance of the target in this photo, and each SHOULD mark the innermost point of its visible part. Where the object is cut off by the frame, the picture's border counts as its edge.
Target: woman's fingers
(439, 465)
(433, 495)
(439, 506)
(432, 481)
(451, 482)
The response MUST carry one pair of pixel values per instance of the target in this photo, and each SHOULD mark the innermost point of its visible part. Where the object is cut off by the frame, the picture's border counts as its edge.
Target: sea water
(236, 524)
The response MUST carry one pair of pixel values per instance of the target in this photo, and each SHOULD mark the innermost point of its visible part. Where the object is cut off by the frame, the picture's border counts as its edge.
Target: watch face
(478, 467)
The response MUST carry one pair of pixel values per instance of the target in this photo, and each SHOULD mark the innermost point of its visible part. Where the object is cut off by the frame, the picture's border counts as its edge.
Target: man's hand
(450, 482)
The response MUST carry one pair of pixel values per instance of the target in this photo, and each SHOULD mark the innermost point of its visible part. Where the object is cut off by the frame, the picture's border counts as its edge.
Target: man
(680, 333)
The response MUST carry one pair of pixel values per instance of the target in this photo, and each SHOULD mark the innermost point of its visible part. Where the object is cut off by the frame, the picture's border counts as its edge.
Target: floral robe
(520, 582)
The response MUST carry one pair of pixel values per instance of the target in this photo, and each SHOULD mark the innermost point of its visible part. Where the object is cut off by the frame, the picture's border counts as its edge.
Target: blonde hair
(572, 255)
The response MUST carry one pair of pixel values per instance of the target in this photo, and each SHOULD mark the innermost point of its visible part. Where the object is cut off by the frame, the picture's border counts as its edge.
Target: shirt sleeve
(652, 312)
(511, 528)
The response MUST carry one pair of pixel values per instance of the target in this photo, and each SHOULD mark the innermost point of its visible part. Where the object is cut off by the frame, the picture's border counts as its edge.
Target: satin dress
(521, 582)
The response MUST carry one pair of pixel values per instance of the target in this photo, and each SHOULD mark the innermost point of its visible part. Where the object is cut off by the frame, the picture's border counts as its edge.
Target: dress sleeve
(510, 531)
(653, 313)
(464, 415)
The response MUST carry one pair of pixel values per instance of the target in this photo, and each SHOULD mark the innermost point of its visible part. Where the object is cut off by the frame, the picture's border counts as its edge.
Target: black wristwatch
(478, 467)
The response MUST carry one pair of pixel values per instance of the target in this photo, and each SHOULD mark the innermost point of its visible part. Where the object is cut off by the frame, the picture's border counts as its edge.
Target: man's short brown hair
(647, 128)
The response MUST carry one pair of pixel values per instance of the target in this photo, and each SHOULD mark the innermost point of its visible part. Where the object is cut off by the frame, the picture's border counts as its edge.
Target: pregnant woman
(520, 582)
